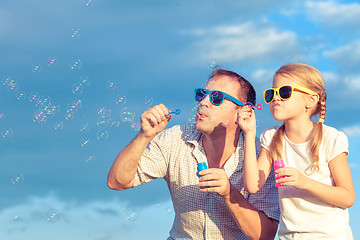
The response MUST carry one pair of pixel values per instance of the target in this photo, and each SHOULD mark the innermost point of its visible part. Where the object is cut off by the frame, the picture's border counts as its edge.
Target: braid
(276, 145)
(322, 107)
(318, 133)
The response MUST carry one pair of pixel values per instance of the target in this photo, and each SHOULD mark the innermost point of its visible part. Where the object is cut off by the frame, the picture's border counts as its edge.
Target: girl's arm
(255, 170)
(341, 195)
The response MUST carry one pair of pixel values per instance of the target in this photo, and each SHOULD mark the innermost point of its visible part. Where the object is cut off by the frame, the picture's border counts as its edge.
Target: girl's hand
(291, 177)
(216, 180)
(246, 119)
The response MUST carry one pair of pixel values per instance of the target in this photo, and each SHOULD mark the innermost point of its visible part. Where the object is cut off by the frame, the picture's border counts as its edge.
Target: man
(173, 154)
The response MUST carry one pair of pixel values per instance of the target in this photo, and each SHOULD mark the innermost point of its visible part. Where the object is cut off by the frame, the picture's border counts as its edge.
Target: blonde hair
(310, 78)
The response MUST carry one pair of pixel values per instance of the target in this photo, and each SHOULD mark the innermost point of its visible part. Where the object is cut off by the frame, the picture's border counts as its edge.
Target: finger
(150, 118)
(163, 110)
(158, 112)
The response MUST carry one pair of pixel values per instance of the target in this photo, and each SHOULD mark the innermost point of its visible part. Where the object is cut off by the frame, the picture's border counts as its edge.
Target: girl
(316, 183)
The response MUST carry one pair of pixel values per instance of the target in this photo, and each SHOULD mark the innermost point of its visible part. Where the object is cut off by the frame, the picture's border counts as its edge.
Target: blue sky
(91, 68)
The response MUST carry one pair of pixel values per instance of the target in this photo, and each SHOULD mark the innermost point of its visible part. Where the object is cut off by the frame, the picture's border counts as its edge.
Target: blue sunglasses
(216, 97)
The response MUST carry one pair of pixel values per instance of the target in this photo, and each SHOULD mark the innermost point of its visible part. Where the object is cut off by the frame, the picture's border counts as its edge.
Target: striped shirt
(174, 155)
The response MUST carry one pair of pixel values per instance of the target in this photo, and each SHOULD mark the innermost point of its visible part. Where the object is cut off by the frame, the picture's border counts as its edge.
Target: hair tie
(321, 120)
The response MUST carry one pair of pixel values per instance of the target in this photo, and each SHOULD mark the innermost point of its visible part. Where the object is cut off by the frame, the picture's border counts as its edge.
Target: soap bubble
(21, 95)
(102, 122)
(75, 65)
(34, 97)
(51, 62)
(55, 107)
(84, 127)
(17, 179)
(39, 117)
(148, 100)
(89, 2)
(36, 68)
(77, 88)
(132, 214)
(77, 103)
(169, 211)
(105, 112)
(84, 81)
(90, 158)
(226, 124)
(44, 100)
(119, 99)
(136, 126)
(69, 115)
(85, 142)
(75, 32)
(10, 84)
(15, 218)
(127, 115)
(6, 133)
(113, 123)
(111, 85)
(102, 134)
(58, 126)
(53, 215)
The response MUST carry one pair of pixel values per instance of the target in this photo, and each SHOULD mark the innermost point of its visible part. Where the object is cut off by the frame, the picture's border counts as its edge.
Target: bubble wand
(257, 107)
(176, 112)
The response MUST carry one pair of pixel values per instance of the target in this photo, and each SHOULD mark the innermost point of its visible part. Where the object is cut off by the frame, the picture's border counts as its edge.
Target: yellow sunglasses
(284, 92)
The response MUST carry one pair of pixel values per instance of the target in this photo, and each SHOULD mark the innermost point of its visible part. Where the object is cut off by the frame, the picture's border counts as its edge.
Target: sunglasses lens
(285, 92)
(200, 94)
(216, 97)
(269, 95)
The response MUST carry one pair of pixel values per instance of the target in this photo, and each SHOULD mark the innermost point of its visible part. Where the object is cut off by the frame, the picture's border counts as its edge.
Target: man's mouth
(200, 115)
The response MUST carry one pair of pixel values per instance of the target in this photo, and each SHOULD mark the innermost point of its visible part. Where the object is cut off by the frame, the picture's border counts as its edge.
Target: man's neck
(219, 149)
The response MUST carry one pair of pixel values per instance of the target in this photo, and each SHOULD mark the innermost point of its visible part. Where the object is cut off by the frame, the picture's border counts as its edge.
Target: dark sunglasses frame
(215, 96)
(289, 89)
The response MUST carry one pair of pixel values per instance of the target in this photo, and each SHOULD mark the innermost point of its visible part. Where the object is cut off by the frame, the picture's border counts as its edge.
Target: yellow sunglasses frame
(276, 91)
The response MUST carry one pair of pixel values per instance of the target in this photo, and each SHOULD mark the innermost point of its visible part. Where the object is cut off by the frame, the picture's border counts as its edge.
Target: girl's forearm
(334, 195)
(251, 170)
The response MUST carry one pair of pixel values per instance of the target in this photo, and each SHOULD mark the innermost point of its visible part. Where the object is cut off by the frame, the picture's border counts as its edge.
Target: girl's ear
(312, 101)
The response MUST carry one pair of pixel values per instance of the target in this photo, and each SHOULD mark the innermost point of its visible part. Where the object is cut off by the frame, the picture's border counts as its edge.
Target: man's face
(211, 118)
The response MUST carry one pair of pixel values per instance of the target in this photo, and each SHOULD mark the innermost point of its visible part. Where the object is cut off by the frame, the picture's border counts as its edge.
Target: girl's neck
(299, 131)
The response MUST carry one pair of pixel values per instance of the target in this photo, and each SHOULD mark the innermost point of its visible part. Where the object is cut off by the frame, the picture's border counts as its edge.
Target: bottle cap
(201, 166)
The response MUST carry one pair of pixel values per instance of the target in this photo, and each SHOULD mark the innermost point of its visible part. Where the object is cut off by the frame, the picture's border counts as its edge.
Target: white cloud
(241, 42)
(353, 82)
(96, 220)
(330, 77)
(263, 75)
(347, 56)
(351, 131)
(332, 13)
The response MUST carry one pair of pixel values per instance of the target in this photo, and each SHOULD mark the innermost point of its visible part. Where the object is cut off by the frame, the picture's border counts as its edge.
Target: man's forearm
(255, 224)
(123, 170)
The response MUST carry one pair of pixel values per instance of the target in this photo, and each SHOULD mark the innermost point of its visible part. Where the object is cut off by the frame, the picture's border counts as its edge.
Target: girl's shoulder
(267, 135)
(270, 130)
(332, 132)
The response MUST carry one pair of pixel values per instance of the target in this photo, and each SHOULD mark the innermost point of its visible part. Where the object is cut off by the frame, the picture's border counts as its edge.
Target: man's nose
(205, 101)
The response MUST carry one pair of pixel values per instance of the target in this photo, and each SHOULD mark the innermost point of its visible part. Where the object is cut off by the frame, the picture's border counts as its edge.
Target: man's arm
(123, 170)
(253, 223)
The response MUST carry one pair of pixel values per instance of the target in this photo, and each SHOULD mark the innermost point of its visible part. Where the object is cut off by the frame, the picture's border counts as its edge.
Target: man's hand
(154, 120)
(216, 180)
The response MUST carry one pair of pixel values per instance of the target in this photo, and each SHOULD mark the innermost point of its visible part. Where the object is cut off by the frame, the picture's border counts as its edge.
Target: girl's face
(292, 108)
